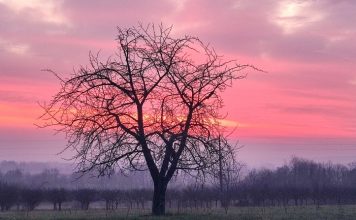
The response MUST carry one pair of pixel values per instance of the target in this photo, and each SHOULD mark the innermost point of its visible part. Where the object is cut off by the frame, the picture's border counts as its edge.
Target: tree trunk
(159, 198)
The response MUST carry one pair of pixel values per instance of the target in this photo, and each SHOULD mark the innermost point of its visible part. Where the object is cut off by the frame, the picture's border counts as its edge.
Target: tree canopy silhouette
(154, 105)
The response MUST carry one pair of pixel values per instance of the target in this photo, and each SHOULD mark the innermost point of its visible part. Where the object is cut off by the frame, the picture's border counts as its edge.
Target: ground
(247, 213)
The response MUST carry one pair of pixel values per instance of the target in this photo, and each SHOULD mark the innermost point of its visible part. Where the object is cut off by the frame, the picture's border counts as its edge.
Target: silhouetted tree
(154, 106)
(110, 197)
(8, 196)
(57, 197)
(227, 171)
(31, 198)
(85, 197)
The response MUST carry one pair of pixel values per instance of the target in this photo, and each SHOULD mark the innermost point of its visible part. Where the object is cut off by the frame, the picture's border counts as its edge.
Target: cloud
(353, 82)
(15, 48)
(42, 10)
(294, 15)
(307, 47)
(298, 30)
(15, 97)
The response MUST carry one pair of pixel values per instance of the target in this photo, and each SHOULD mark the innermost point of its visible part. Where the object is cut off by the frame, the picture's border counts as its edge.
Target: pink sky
(305, 105)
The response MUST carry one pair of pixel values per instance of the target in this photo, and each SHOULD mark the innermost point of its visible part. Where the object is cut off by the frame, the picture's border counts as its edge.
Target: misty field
(243, 213)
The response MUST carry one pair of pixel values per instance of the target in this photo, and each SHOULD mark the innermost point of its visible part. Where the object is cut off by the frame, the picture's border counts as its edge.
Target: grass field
(246, 213)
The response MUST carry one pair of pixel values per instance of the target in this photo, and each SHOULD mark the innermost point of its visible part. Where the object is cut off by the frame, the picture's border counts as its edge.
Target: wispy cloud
(15, 48)
(39, 10)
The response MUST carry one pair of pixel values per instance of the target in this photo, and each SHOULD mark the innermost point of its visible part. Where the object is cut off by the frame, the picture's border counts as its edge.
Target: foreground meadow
(246, 213)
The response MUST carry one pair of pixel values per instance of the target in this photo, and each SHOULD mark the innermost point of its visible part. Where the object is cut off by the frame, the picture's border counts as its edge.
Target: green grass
(250, 213)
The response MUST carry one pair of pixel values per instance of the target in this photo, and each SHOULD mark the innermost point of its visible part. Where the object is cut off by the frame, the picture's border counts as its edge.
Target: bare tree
(85, 197)
(227, 171)
(31, 198)
(110, 197)
(154, 106)
(8, 196)
(57, 197)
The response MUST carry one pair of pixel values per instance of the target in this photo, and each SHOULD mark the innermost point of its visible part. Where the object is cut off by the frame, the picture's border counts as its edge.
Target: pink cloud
(308, 91)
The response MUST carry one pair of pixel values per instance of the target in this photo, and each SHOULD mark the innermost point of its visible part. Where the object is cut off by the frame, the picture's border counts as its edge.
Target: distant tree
(57, 197)
(14, 176)
(31, 198)
(226, 171)
(154, 106)
(50, 176)
(140, 196)
(8, 196)
(174, 195)
(110, 198)
(85, 197)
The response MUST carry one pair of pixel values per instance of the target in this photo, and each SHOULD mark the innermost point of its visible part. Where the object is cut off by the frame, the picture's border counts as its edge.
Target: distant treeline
(35, 167)
(52, 178)
(300, 182)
